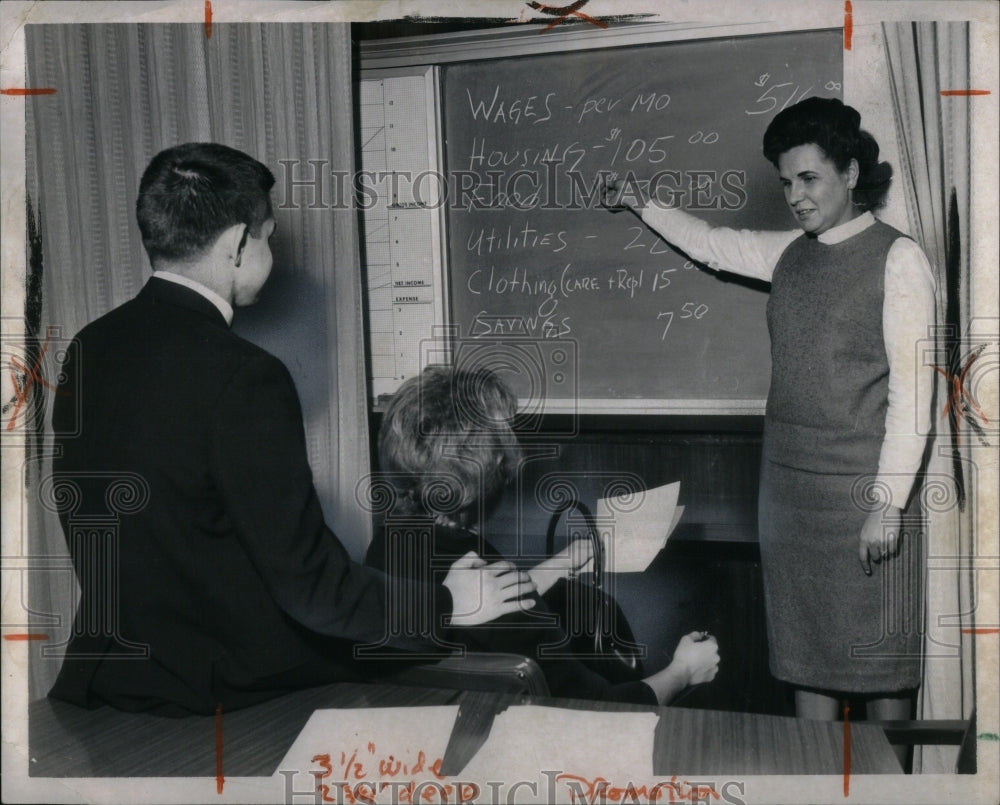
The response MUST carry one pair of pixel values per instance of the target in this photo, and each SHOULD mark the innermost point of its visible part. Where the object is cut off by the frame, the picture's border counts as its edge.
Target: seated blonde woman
(447, 443)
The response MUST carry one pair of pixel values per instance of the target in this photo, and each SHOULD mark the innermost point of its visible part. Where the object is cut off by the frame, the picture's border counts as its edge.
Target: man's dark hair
(191, 193)
(836, 129)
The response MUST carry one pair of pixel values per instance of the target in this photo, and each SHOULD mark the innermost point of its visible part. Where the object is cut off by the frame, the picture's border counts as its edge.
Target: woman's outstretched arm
(740, 251)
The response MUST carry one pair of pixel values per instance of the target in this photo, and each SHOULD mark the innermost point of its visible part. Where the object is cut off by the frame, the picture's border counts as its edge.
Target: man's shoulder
(171, 337)
(145, 315)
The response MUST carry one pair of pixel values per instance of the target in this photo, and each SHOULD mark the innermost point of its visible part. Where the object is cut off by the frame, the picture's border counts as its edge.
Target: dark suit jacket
(228, 573)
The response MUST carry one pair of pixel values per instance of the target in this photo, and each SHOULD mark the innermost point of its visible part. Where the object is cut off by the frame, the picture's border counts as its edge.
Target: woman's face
(819, 194)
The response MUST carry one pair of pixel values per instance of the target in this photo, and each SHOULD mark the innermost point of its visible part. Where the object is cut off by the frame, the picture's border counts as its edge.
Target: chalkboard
(580, 304)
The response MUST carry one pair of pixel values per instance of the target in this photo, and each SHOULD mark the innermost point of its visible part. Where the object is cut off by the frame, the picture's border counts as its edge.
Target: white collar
(224, 307)
(842, 232)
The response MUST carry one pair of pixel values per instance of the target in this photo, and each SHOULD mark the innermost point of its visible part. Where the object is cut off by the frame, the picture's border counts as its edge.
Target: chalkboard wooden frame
(532, 39)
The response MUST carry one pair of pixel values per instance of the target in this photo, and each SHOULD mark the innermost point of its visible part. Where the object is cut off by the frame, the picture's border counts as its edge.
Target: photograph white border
(19, 787)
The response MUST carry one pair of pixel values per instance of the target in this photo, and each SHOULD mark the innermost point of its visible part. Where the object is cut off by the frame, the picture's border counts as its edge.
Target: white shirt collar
(224, 307)
(840, 233)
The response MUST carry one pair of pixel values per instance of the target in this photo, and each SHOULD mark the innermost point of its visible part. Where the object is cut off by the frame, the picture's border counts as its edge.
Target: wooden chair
(484, 671)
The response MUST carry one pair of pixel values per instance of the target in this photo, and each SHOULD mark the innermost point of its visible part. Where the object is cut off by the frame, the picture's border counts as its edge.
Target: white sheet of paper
(374, 752)
(678, 513)
(634, 533)
(576, 743)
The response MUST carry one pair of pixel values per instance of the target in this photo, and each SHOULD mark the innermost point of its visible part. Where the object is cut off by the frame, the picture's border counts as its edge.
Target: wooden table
(66, 741)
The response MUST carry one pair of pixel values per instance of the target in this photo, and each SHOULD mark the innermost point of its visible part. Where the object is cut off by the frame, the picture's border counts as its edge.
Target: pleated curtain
(280, 92)
(925, 60)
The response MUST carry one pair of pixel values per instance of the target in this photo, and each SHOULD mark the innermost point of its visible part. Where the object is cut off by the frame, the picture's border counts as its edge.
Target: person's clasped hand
(697, 657)
(482, 592)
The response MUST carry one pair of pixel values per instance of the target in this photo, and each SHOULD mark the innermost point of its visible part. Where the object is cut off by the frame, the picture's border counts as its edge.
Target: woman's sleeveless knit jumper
(829, 625)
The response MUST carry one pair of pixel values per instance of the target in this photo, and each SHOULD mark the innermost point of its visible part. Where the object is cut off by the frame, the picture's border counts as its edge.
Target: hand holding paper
(633, 535)
(572, 560)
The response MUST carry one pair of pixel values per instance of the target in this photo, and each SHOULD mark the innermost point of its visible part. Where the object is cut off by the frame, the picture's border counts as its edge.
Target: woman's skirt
(830, 626)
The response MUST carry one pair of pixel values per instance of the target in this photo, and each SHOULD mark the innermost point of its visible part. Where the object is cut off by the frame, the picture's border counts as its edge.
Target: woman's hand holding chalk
(612, 195)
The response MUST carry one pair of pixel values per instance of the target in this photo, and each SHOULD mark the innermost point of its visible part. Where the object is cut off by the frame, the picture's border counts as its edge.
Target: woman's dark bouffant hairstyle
(446, 440)
(836, 129)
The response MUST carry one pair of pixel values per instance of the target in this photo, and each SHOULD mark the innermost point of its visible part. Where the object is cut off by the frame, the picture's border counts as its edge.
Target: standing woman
(851, 300)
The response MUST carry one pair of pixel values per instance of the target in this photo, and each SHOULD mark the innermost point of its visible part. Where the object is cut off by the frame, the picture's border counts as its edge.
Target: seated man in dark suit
(225, 584)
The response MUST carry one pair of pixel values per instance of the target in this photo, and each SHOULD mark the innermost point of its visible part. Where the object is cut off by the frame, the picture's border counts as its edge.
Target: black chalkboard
(577, 303)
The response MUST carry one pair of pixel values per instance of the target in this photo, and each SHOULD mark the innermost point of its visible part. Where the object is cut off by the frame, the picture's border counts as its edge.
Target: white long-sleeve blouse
(908, 317)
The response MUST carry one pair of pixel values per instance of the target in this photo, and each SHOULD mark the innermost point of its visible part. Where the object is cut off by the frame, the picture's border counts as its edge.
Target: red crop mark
(961, 404)
(23, 380)
(981, 631)
(208, 19)
(19, 637)
(22, 91)
(951, 93)
(847, 750)
(563, 12)
(220, 780)
(848, 24)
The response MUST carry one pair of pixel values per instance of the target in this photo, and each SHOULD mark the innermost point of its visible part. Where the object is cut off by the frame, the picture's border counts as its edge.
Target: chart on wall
(398, 230)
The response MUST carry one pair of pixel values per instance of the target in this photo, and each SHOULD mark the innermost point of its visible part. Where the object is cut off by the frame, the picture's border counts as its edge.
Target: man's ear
(232, 242)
